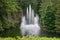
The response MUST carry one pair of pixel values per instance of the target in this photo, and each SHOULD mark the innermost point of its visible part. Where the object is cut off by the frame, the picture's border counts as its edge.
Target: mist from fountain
(29, 25)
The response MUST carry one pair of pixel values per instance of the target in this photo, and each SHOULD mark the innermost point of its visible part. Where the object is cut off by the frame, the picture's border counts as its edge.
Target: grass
(30, 38)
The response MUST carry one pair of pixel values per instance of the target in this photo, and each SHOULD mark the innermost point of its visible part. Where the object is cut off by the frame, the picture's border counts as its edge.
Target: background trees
(48, 10)
(8, 11)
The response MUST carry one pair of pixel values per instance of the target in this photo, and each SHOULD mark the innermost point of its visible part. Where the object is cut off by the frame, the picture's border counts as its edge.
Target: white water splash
(32, 28)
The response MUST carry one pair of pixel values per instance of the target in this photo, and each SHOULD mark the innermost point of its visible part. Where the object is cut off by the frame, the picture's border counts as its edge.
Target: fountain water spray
(30, 26)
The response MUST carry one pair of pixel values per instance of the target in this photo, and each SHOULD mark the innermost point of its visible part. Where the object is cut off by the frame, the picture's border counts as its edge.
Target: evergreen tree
(8, 7)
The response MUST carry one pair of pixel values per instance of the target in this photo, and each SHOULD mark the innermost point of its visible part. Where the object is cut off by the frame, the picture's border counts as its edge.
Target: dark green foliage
(49, 19)
(8, 7)
(57, 21)
(48, 10)
(50, 15)
(11, 32)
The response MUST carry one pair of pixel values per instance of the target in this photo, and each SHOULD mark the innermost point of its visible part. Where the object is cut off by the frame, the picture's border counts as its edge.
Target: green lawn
(30, 38)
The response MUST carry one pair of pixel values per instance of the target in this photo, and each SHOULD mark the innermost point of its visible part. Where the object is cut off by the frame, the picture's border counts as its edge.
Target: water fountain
(29, 25)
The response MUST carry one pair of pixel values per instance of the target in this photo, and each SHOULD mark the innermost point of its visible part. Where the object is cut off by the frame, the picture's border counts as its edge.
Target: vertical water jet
(29, 24)
(30, 14)
(27, 16)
